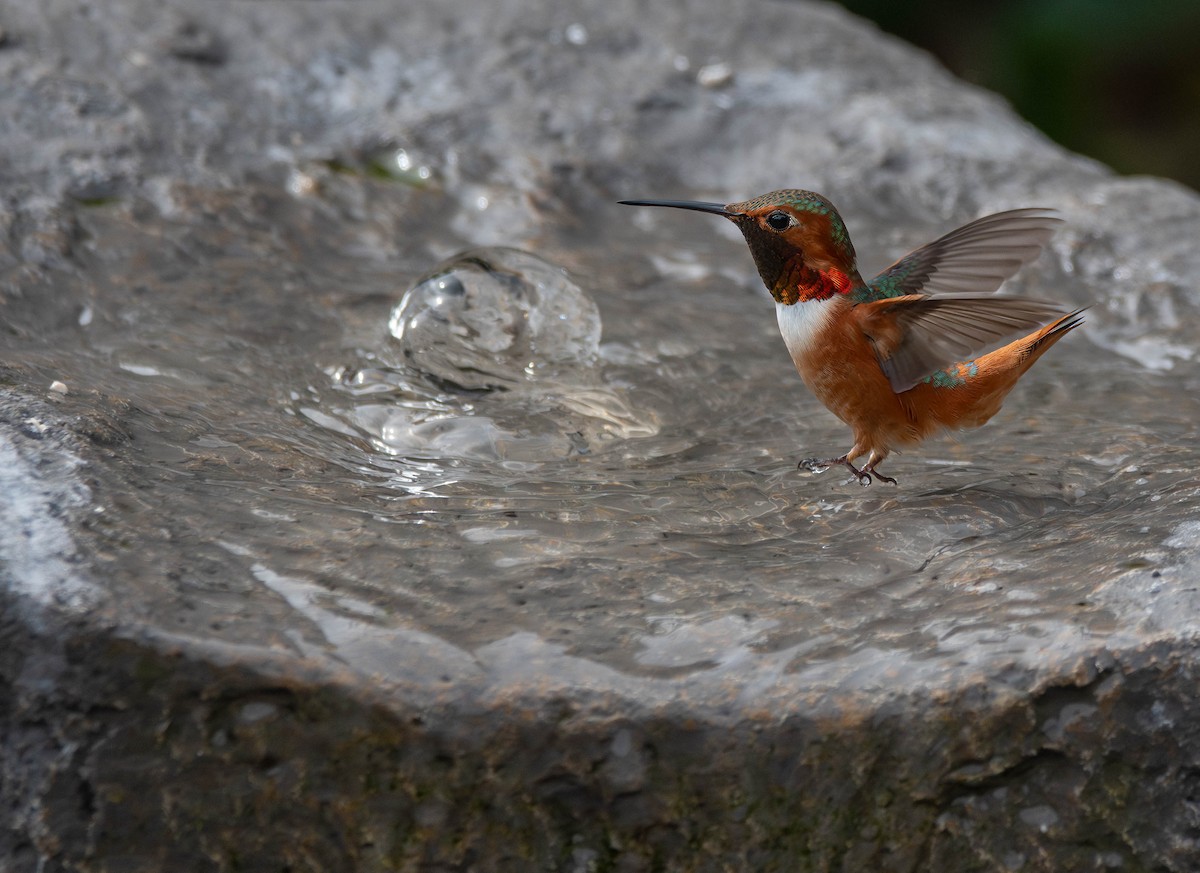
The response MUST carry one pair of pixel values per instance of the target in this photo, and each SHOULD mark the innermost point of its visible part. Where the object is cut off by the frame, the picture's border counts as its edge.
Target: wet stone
(414, 506)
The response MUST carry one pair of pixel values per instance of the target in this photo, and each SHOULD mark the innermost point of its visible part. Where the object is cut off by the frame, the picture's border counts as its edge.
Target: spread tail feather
(1051, 334)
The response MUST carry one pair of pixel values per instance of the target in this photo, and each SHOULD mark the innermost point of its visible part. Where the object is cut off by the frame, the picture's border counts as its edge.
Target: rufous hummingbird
(897, 357)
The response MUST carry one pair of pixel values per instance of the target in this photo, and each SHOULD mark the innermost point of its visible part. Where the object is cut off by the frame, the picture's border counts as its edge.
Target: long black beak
(714, 208)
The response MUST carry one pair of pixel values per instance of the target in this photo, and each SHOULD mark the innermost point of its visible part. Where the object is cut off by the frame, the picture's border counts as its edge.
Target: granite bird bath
(521, 574)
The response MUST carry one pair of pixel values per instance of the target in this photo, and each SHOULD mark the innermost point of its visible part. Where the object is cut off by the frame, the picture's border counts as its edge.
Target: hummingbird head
(798, 241)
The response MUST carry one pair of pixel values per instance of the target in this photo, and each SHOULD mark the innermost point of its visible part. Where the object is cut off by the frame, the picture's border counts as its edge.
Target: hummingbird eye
(779, 220)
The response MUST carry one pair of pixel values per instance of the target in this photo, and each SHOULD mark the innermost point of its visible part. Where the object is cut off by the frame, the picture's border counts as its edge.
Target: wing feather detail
(917, 335)
(974, 259)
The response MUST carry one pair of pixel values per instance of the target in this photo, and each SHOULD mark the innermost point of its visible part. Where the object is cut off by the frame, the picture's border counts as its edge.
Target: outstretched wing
(916, 335)
(975, 259)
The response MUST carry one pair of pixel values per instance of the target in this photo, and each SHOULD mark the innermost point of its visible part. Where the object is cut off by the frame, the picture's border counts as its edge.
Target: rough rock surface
(273, 599)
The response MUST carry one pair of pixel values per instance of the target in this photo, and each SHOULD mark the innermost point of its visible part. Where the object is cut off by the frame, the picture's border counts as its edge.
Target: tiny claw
(870, 470)
(813, 465)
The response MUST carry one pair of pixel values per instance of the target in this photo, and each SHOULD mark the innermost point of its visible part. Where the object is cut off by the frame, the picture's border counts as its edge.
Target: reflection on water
(475, 466)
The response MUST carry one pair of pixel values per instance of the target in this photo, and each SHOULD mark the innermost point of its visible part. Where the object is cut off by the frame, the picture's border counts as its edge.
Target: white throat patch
(801, 323)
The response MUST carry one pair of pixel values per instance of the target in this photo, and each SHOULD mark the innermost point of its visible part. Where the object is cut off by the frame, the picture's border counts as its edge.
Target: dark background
(1115, 80)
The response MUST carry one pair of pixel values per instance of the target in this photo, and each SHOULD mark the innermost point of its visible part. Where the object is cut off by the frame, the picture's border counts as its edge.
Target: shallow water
(601, 461)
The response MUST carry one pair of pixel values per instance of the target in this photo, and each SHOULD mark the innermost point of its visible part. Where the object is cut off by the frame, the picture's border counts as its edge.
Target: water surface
(600, 460)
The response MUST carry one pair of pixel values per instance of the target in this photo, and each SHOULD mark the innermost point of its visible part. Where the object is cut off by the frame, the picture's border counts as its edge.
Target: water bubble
(577, 34)
(716, 75)
(498, 369)
(495, 317)
(301, 184)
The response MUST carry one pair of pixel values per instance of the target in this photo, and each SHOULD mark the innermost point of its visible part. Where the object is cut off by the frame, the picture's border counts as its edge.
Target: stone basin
(298, 575)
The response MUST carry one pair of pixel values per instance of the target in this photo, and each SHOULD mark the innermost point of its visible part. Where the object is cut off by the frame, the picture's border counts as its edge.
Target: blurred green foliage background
(1114, 79)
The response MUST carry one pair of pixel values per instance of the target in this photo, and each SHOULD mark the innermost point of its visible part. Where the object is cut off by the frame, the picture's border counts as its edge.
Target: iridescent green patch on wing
(885, 285)
(954, 376)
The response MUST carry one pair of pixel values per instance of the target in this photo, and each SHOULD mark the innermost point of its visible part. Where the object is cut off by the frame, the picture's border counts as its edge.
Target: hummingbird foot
(869, 470)
(814, 465)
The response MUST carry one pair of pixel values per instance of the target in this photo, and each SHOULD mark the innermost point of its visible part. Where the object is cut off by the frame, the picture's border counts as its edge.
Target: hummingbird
(900, 357)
